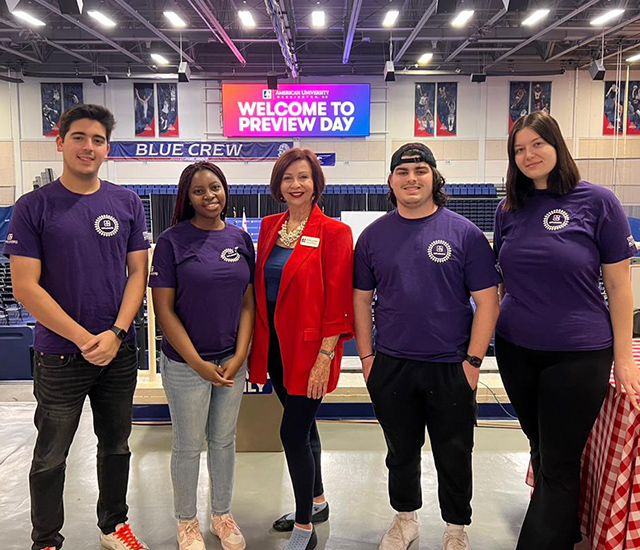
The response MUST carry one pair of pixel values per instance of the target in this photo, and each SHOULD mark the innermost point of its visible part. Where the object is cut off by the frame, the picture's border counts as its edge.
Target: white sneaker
(455, 538)
(122, 539)
(404, 529)
(190, 536)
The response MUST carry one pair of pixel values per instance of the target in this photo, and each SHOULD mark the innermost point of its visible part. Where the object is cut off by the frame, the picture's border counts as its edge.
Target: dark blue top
(273, 271)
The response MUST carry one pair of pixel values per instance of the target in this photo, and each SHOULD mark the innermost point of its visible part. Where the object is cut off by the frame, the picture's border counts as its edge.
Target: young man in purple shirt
(424, 262)
(78, 252)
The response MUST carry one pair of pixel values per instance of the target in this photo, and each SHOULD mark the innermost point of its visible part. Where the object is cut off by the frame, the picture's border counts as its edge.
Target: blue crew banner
(198, 150)
(326, 159)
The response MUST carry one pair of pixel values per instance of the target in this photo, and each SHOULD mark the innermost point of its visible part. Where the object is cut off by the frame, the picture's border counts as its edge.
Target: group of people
(286, 314)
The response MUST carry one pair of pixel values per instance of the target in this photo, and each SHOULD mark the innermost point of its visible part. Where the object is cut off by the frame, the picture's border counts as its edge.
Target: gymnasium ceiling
(354, 40)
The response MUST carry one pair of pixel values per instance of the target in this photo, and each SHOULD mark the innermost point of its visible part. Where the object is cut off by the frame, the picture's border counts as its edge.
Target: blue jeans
(198, 410)
(61, 384)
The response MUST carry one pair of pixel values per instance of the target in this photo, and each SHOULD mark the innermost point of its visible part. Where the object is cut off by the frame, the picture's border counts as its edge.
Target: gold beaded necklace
(290, 237)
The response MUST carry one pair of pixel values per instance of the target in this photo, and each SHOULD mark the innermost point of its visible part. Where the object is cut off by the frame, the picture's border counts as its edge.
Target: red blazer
(314, 301)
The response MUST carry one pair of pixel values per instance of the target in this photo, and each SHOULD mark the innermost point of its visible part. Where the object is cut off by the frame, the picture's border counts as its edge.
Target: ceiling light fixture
(390, 18)
(606, 17)
(27, 18)
(246, 17)
(175, 19)
(317, 19)
(535, 17)
(101, 18)
(159, 59)
(462, 18)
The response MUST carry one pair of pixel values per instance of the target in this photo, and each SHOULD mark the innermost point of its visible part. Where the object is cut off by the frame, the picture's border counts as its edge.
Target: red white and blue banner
(447, 109)
(217, 151)
(301, 110)
(168, 123)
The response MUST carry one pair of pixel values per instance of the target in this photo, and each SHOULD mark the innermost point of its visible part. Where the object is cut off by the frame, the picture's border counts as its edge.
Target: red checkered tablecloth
(610, 497)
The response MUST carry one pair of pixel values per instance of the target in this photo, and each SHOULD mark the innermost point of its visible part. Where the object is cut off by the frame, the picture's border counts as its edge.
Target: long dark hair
(565, 174)
(184, 210)
(440, 198)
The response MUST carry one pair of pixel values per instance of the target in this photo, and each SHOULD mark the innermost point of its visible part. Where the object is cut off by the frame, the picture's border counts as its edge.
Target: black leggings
(299, 434)
(557, 396)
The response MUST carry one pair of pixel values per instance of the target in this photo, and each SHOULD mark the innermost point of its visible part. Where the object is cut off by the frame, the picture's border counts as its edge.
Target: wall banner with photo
(424, 109)
(57, 98)
(528, 97)
(72, 94)
(633, 108)
(144, 110)
(51, 95)
(447, 109)
(168, 124)
(613, 111)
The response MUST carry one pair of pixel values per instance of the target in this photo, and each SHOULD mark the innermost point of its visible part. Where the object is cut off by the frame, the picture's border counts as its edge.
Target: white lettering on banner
(177, 149)
(246, 108)
(340, 124)
(234, 150)
(193, 150)
(218, 149)
(141, 149)
(243, 122)
(205, 150)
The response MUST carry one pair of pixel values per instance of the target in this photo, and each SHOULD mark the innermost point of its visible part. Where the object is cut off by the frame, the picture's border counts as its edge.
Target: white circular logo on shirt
(230, 255)
(106, 225)
(555, 220)
(439, 251)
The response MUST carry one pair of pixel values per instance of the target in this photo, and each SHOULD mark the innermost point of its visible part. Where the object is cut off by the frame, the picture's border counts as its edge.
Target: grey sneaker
(404, 529)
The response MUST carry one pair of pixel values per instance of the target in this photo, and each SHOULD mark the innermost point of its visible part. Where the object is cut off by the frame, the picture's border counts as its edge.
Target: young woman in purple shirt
(202, 279)
(556, 338)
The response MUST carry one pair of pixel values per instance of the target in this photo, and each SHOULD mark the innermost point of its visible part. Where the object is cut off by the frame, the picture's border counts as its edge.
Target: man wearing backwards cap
(424, 262)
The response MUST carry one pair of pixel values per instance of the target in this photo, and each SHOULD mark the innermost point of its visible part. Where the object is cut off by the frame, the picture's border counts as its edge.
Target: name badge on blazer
(313, 242)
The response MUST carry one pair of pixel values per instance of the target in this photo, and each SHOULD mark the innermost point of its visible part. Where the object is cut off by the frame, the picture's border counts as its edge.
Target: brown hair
(286, 160)
(565, 174)
(440, 198)
(93, 112)
(183, 209)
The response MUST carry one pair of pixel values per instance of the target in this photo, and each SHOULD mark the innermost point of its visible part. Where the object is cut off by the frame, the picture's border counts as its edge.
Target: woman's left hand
(627, 376)
(319, 377)
(231, 367)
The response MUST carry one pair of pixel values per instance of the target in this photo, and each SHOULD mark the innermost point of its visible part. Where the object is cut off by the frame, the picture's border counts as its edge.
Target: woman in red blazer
(304, 312)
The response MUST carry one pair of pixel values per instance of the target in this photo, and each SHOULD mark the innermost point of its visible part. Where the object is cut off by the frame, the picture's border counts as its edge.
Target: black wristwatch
(119, 332)
(471, 359)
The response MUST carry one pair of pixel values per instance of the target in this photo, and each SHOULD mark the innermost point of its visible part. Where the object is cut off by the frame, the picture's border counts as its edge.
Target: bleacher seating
(475, 201)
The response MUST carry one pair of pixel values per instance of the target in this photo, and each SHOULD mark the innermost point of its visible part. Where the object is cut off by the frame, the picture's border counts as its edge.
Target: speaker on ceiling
(596, 70)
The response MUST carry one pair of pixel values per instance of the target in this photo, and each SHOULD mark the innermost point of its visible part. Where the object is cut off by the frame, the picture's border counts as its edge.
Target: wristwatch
(471, 359)
(329, 354)
(119, 332)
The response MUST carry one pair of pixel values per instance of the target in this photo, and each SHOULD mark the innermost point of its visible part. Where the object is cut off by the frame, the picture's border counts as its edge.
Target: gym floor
(355, 483)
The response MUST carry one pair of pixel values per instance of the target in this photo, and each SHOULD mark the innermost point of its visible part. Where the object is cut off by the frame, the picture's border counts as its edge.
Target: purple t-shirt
(82, 242)
(423, 271)
(550, 254)
(210, 271)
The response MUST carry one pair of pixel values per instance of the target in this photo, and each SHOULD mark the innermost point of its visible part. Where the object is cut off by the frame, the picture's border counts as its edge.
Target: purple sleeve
(480, 263)
(138, 238)
(497, 230)
(251, 255)
(613, 234)
(23, 236)
(363, 277)
(163, 268)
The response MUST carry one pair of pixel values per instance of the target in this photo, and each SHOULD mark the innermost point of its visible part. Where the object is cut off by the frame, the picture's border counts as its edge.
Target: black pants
(557, 397)
(61, 384)
(298, 432)
(406, 396)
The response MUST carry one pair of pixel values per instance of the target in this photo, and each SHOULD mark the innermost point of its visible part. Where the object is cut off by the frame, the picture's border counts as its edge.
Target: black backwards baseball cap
(418, 152)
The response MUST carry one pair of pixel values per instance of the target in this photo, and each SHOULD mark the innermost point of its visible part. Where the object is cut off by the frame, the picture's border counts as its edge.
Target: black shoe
(313, 541)
(283, 524)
